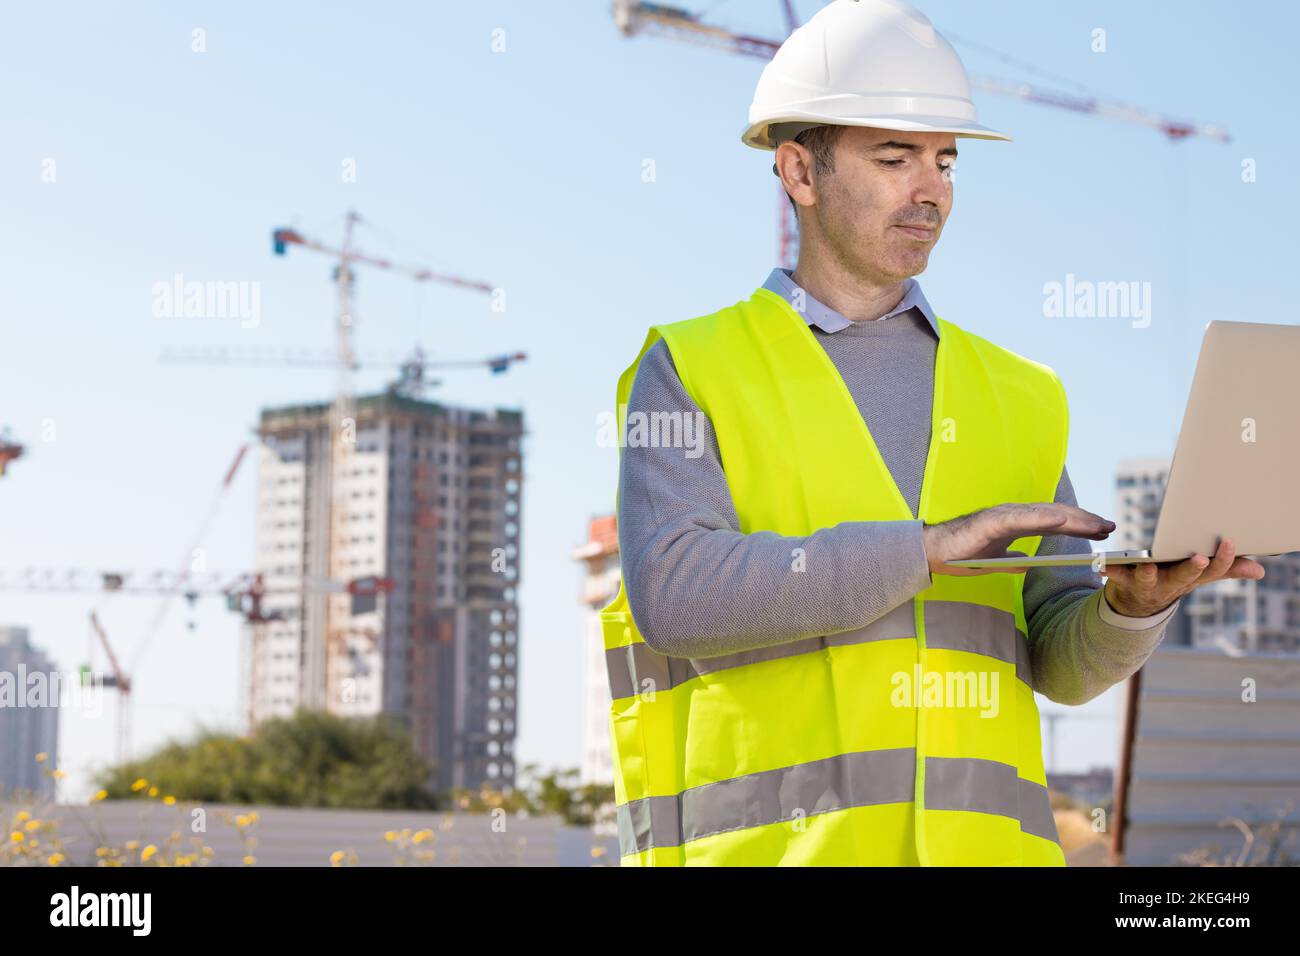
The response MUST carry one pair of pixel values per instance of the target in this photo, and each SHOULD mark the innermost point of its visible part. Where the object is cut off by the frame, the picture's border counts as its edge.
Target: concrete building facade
(430, 509)
(1232, 616)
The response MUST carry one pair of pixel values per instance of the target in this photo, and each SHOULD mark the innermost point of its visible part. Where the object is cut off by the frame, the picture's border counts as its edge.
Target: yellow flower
(390, 835)
(207, 851)
(57, 774)
(252, 816)
(33, 825)
(421, 836)
(249, 860)
(55, 859)
(139, 785)
(101, 851)
(337, 857)
(101, 795)
(153, 791)
(147, 853)
(42, 757)
(241, 820)
(131, 844)
(23, 815)
(597, 851)
(169, 800)
(16, 836)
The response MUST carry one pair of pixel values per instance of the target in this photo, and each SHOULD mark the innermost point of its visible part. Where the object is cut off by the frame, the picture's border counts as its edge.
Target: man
(798, 676)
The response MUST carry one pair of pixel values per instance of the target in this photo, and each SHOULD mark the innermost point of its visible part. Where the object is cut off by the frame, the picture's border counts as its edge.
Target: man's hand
(1140, 590)
(986, 534)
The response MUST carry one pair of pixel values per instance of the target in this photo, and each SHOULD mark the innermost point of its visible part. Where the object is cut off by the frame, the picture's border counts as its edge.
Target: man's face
(883, 208)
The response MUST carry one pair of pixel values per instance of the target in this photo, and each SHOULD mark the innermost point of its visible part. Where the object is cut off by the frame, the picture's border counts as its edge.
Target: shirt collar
(827, 319)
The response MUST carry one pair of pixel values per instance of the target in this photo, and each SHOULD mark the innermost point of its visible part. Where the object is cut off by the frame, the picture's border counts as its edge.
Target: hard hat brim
(756, 134)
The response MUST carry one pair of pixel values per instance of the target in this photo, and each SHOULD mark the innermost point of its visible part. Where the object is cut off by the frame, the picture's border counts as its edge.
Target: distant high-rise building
(27, 730)
(599, 587)
(1139, 489)
(1235, 614)
(427, 537)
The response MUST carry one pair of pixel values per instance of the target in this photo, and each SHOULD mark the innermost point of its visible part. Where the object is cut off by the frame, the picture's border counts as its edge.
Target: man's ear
(776, 172)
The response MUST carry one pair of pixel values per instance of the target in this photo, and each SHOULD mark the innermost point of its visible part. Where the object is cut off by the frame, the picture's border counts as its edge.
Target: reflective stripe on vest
(960, 626)
(911, 740)
(846, 780)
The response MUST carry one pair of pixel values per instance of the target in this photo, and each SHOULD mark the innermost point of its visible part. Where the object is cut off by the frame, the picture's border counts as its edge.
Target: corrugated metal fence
(1217, 740)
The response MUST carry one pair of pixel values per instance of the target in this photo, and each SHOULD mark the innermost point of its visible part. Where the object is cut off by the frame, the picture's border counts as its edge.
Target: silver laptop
(1235, 468)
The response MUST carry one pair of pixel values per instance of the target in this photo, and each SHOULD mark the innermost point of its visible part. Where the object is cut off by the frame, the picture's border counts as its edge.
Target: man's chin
(906, 266)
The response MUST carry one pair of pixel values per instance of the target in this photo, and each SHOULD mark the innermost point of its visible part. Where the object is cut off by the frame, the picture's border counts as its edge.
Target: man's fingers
(1151, 584)
(1245, 568)
(1147, 574)
(1018, 521)
(1185, 573)
(1146, 577)
(1082, 524)
(1221, 562)
(1226, 564)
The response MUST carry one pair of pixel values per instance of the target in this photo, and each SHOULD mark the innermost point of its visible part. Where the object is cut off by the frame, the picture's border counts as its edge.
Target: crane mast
(325, 666)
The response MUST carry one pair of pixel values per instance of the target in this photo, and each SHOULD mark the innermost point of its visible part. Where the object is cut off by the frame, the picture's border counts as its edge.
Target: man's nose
(932, 189)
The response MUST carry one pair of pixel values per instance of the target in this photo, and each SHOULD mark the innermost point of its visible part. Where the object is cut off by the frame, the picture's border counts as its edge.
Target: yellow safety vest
(911, 741)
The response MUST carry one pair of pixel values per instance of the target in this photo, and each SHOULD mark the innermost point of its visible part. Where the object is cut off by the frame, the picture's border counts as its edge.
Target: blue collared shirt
(781, 281)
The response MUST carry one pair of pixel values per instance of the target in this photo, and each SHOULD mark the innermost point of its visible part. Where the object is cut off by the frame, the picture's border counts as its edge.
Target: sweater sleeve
(1078, 645)
(698, 587)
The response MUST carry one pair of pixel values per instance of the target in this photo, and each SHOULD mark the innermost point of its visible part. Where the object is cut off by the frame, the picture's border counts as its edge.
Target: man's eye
(892, 162)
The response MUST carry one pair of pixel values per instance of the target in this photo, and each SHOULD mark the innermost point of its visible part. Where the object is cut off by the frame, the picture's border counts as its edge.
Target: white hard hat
(873, 63)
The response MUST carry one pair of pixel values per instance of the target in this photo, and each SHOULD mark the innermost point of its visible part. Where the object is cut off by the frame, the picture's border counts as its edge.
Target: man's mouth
(924, 233)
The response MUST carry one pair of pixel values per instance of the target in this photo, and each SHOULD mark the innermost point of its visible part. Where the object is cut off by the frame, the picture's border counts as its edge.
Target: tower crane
(187, 558)
(10, 450)
(243, 593)
(412, 378)
(636, 17)
(118, 680)
(343, 417)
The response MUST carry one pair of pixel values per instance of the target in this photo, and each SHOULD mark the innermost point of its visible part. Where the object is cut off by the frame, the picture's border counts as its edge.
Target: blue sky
(523, 167)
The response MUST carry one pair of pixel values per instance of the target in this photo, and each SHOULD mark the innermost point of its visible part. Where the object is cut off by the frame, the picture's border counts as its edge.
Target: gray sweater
(698, 588)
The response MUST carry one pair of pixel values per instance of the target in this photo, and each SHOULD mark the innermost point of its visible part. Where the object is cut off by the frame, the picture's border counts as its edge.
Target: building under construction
(407, 577)
(1235, 615)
